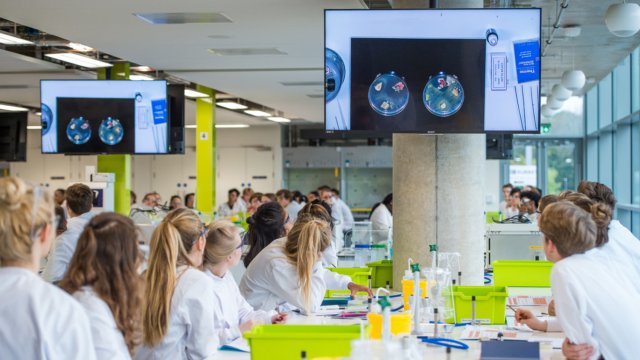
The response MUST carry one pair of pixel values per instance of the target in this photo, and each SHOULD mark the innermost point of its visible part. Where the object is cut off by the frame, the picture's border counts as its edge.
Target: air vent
(182, 18)
(246, 52)
(315, 96)
(302, 83)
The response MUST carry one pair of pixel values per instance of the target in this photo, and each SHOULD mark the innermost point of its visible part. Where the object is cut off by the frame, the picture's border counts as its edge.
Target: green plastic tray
(381, 272)
(490, 303)
(524, 273)
(286, 342)
(358, 275)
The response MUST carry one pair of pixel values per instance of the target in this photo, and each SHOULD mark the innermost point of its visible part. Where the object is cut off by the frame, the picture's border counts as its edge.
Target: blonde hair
(221, 241)
(308, 238)
(600, 212)
(19, 220)
(571, 229)
(170, 245)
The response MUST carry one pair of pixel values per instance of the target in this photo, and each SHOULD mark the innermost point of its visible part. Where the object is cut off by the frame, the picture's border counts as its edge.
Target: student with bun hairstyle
(103, 277)
(289, 271)
(38, 320)
(178, 315)
(233, 314)
(265, 225)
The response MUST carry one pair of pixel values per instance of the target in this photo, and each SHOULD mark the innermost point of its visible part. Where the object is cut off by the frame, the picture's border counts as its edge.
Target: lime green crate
(287, 342)
(492, 215)
(490, 303)
(524, 273)
(358, 275)
(381, 272)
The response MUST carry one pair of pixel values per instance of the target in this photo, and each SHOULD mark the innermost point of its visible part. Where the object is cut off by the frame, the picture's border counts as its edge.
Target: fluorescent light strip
(79, 60)
(140, 77)
(9, 39)
(34, 127)
(80, 47)
(7, 107)
(257, 113)
(279, 119)
(195, 94)
(231, 105)
(222, 126)
(142, 68)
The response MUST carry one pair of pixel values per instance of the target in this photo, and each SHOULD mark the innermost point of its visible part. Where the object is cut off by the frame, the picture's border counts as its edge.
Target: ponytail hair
(600, 212)
(107, 259)
(171, 243)
(305, 243)
(221, 241)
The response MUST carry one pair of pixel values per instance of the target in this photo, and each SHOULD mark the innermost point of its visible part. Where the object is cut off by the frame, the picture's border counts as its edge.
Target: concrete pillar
(438, 190)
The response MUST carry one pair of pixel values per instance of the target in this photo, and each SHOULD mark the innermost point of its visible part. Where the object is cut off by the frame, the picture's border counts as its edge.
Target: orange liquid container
(407, 291)
(400, 324)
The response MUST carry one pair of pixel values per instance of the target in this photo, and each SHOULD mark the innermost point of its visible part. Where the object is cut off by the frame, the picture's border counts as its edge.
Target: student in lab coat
(38, 320)
(178, 316)
(289, 272)
(233, 314)
(381, 218)
(595, 304)
(321, 210)
(103, 277)
(266, 225)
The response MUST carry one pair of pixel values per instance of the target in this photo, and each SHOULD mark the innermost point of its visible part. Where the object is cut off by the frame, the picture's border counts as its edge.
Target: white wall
(492, 185)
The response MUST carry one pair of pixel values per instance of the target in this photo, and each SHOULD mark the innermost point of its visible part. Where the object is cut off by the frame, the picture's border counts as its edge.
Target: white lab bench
(512, 242)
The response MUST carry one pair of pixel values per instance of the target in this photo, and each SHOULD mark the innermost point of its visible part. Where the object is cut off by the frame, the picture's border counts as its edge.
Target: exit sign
(545, 128)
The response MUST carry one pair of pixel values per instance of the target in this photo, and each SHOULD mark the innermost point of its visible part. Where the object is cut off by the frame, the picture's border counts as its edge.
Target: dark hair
(531, 195)
(598, 192)
(246, 191)
(107, 259)
(60, 190)
(271, 196)
(318, 209)
(297, 196)
(335, 191)
(186, 198)
(174, 197)
(79, 198)
(315, 193)
(284, 193)
(386, 202)
(234, 190)
(62, 222)
(507, 185)
(133, 197)
(256, 195)
(265, 225)
(515, 190)
(324, 188)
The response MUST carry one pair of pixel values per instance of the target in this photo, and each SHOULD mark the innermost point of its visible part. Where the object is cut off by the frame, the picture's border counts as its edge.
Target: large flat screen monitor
(104, 117)
(433, 71)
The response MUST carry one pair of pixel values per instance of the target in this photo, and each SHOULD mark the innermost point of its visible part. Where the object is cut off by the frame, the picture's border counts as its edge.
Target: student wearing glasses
(233, 314)
(178, 316)
(39, 321)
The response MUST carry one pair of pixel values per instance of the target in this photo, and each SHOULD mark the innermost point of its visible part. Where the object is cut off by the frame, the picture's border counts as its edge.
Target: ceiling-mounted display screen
(433, 70)
(104, 117)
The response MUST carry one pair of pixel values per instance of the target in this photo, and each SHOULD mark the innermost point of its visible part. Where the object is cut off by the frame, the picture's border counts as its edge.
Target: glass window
(592, 110)
(635, 221)
(592, 159)
(604, 101)
(561, 166)
(622, 89)
(523, 167)
(635, 163)
(605, 157)
(624, 216)
(635, 80)
(622, 164)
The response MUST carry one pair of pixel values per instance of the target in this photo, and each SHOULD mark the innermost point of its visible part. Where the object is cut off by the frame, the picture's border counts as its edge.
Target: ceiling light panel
(79, 60)
(231, 105)
(7, 107)
(246, 52)
(279, 119)
(257, 113)
(190, 93)
(140, 77)
(183, 18)
(231, 126)
(9, 39)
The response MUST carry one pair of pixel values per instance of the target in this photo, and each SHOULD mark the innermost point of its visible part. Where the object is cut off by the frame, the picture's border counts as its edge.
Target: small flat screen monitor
(104, 117)
(433, 70)
(13, 136)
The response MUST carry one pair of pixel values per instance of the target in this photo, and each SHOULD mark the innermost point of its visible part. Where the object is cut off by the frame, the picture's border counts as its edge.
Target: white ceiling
(294, 27)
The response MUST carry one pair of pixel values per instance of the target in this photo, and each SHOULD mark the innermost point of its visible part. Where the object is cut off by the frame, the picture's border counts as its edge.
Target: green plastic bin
(358, 275)
(381, 272)
(524, 273)
(286, 342)
(490, 304)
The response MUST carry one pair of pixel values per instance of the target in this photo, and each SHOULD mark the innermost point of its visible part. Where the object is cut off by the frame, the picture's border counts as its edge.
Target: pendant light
(623, 19)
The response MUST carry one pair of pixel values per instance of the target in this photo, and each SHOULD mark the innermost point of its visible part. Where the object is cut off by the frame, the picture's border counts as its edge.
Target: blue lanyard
(444, 342)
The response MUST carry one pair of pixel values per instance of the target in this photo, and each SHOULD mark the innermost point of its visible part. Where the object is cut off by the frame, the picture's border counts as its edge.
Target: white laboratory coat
(190, 334)
(381, 222)
(231, 309)
(108, 340)
(224, 210)
(347, 216)
(64, 247)
(40, 321)
(623, 251)
(271, 280)
(293, 209)
(598, 305)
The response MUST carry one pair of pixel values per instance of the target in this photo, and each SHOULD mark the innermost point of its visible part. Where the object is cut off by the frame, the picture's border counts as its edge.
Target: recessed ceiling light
(9, 39)
(79, 60)
(231, 105)
(191, 126)
(195, 94)
(140, 77)
(7, 107)
(231, 126)
(80, 47)
(34, 127)
(38, 113)
(142, 68)
(279, 119)
(257, 113)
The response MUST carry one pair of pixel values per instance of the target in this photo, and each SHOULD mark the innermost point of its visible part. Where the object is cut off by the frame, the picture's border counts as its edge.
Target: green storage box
(358, 276)
(381, 272)
(490, 304)
(286, 342)
(491, 216)
(524, 273)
